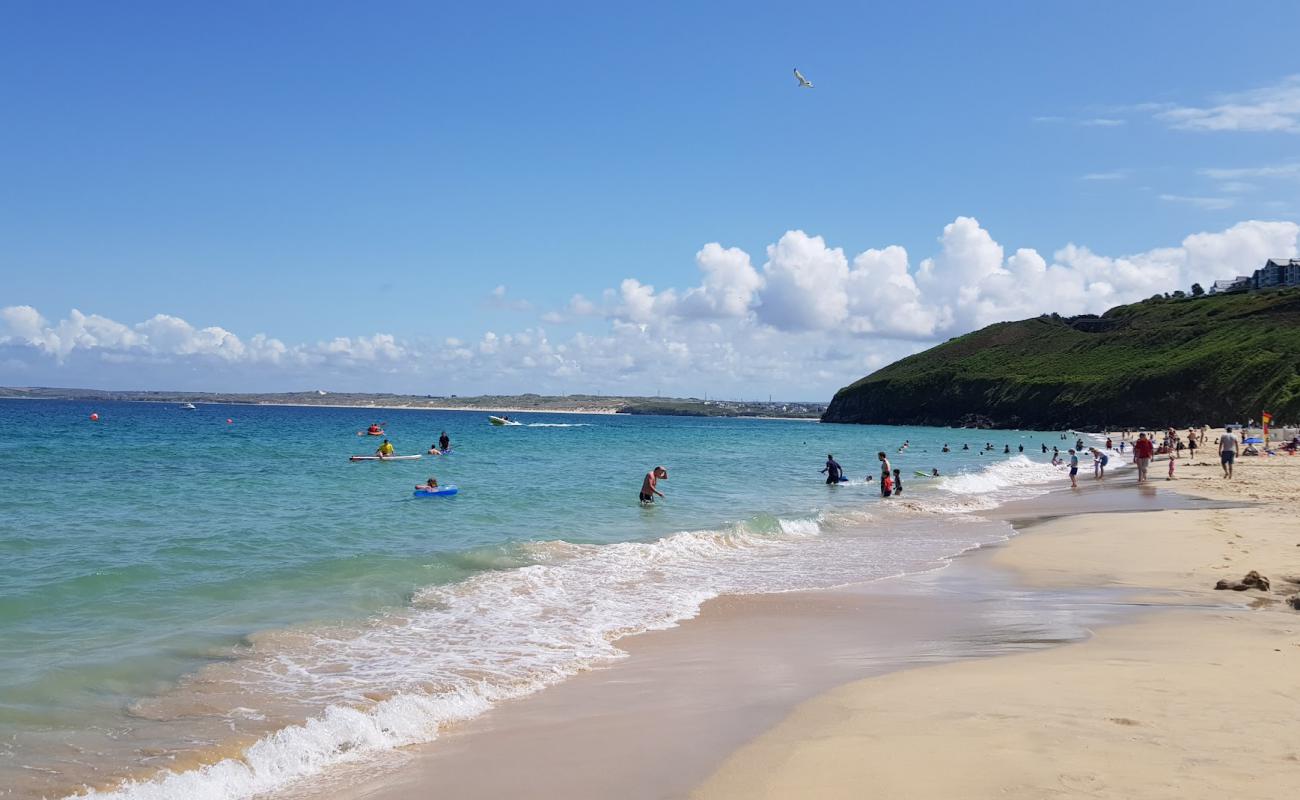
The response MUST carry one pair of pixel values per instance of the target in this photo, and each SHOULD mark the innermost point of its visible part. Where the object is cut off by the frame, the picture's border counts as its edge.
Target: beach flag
(1267, 419)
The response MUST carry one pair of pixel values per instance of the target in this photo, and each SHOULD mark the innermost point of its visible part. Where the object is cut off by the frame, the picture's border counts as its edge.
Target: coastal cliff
(1164, 361)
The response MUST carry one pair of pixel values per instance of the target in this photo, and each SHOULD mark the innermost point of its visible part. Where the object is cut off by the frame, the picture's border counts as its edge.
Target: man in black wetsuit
(832, 470)
(444, 441)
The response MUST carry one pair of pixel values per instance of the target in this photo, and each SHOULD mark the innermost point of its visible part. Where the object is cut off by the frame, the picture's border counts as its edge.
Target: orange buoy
(94, 417)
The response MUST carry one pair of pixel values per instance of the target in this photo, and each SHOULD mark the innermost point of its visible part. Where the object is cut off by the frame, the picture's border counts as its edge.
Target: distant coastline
(511, 404)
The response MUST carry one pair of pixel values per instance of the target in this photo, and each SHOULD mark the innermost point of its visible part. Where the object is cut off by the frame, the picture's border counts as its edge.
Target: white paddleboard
(382, 458)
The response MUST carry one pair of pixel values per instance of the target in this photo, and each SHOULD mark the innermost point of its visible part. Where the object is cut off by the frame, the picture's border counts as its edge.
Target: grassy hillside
(1179, 361)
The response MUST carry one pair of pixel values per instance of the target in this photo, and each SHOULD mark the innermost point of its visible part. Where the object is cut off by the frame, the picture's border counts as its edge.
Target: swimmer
(428, 485)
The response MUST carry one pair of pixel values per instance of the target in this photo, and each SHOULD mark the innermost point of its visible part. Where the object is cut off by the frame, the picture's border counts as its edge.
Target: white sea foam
(1016, 475)
(558, 425)
(460, 648)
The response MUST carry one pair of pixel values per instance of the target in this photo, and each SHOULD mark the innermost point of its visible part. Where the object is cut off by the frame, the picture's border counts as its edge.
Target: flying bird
(804, 83)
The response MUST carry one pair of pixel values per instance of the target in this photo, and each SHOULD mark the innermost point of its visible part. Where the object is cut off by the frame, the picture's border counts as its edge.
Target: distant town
(1276, 273)
(573, 404)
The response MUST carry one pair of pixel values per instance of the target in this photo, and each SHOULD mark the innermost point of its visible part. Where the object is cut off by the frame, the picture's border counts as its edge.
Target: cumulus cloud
(807, 285)
(497, 299)
(810, 319)
(804, 284)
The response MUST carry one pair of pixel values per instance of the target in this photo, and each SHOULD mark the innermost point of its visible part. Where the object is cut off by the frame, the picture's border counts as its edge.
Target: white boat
(502, 421)
(189, 407)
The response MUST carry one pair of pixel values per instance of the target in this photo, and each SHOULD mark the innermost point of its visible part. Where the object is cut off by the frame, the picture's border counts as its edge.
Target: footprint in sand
(1082, 782)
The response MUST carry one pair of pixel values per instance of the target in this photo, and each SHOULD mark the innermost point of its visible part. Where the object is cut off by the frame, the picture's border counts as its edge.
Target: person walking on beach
(886, 478)
(1074, 469)
(1191, 445)
(833, 471)
(1228, 449)
(1142, 452)
(649, 486)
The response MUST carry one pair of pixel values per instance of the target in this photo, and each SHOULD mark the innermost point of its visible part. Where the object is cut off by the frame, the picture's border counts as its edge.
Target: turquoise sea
(216, 603)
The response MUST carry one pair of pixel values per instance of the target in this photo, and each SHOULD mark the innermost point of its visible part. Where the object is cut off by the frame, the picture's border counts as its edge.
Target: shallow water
(238, 604)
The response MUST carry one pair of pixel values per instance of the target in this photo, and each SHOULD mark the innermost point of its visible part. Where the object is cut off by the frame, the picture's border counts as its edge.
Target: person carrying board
(833, 471)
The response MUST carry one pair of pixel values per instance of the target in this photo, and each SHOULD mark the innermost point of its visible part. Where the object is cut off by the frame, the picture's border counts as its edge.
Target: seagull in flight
(804, 83)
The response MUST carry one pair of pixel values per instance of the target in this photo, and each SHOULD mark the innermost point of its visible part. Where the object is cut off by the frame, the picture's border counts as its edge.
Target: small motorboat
(188, 407)
(502, 421)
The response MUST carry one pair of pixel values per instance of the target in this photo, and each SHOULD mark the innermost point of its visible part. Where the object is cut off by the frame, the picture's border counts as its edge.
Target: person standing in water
(649, 486)
(886, 477)
(444, 442)
(833, 471)
(1074, 470)
(898, 482)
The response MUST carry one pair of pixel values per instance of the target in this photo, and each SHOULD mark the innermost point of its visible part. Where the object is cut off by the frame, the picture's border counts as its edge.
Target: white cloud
(1113, 175)
(730, 283)
(1273, 108)
(804, 284)
(1290, 169)
(1102, 122)
(498, 299)
(809, 320)
(1207, 203)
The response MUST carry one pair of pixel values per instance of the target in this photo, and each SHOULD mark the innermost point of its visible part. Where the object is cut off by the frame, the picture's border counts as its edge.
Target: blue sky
(325, 172)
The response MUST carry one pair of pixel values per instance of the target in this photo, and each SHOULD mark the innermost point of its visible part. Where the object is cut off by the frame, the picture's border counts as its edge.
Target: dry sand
(1198, 700)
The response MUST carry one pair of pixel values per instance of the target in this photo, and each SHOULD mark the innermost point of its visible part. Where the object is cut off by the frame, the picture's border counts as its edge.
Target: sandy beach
(1195, 699)
(1164, 687)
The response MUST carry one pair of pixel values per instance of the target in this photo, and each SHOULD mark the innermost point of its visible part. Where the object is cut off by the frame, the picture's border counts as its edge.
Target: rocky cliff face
(1160, 362)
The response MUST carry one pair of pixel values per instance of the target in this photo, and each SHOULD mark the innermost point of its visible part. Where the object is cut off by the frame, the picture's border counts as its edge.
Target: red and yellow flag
(1267, 419)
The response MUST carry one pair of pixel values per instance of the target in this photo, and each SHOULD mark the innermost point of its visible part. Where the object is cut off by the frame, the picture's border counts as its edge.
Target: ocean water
(218, 604)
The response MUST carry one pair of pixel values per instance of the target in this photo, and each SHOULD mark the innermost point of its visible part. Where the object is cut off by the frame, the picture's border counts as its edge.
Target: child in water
(428, 485)
(898, 482)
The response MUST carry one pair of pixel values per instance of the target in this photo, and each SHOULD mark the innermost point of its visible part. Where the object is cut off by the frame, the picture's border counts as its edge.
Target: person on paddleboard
(444, 442)
(385, 450)
(649, 486)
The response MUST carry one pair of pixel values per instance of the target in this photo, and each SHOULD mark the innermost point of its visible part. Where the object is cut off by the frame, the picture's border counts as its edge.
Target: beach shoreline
(598, 711)
(1143, 708)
